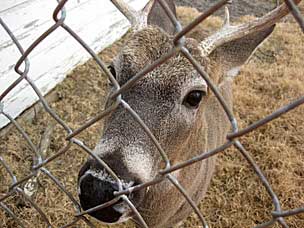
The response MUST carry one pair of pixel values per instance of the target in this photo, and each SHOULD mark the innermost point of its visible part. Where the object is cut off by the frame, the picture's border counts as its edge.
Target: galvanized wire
(40, 163)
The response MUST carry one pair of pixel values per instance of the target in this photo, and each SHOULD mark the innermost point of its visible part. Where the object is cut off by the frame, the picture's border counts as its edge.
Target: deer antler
(126, 10)
(138, 19)
(229, 33)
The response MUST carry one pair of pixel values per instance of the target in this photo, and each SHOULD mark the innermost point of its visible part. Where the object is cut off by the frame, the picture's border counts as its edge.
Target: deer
(176, 104)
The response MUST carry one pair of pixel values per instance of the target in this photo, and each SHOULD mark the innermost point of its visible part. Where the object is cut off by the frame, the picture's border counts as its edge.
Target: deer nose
(95, 191)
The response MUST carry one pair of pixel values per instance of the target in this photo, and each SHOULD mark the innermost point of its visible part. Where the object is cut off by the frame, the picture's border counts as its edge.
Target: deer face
(174, 102)
(170, 100)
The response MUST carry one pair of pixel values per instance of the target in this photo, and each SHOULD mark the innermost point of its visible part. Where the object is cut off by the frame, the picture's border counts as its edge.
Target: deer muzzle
(96, 187)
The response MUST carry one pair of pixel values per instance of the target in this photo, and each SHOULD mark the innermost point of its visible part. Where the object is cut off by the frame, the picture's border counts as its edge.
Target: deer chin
(122, 214)
(122, 208)
(125, 211)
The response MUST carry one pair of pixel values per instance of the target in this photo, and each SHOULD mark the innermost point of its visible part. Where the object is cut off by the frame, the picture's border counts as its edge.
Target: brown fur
(182, 137)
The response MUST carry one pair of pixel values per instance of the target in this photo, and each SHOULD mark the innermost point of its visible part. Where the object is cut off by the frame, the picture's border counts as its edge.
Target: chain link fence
(40, 163)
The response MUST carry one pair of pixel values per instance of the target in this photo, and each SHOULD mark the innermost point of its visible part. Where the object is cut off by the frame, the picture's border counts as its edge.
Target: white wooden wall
(98, 22)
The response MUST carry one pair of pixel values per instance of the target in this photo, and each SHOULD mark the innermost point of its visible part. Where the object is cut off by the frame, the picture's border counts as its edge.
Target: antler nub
(138, 19)
(127, 11)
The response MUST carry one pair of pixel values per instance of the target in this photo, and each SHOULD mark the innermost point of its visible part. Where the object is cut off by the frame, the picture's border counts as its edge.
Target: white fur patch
(138, 162)
(104, 176)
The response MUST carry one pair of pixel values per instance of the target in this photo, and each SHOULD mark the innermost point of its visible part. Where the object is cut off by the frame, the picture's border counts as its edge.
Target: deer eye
(193, 98)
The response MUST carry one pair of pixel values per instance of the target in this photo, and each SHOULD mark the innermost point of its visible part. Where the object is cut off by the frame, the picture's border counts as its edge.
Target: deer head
(177, 106)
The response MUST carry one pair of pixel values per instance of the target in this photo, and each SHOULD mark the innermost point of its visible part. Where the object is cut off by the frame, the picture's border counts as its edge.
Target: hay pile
(236, 198)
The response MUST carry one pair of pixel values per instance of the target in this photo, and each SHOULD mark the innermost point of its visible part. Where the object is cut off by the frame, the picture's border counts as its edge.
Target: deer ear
(232, 55)
(158, 17)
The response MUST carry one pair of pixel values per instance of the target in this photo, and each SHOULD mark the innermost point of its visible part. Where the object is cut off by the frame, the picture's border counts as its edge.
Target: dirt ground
(238, 8)
(236, 198)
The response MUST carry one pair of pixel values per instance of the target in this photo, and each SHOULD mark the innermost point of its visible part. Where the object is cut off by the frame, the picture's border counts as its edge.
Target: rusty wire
(39, 163)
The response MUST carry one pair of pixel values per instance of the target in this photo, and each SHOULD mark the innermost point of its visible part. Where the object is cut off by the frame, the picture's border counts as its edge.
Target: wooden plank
(98, 22)
(7, 4)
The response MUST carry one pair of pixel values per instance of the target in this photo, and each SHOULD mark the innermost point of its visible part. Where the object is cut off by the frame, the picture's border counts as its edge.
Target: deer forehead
(148, 45)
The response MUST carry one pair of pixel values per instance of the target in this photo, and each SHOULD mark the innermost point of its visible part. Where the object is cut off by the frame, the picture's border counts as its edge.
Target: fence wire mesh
(40, 163)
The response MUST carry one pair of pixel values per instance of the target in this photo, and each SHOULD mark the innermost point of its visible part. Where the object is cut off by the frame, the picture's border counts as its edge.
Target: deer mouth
(117, 213)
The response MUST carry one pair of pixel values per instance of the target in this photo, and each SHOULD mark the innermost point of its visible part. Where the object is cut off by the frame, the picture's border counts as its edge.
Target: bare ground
(236, 198)
(238, 8)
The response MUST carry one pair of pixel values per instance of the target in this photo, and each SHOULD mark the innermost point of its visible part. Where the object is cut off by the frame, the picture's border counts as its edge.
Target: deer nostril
(92, 186)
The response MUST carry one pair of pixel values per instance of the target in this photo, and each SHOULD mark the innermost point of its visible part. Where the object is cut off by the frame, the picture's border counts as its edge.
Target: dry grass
(273, 77)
